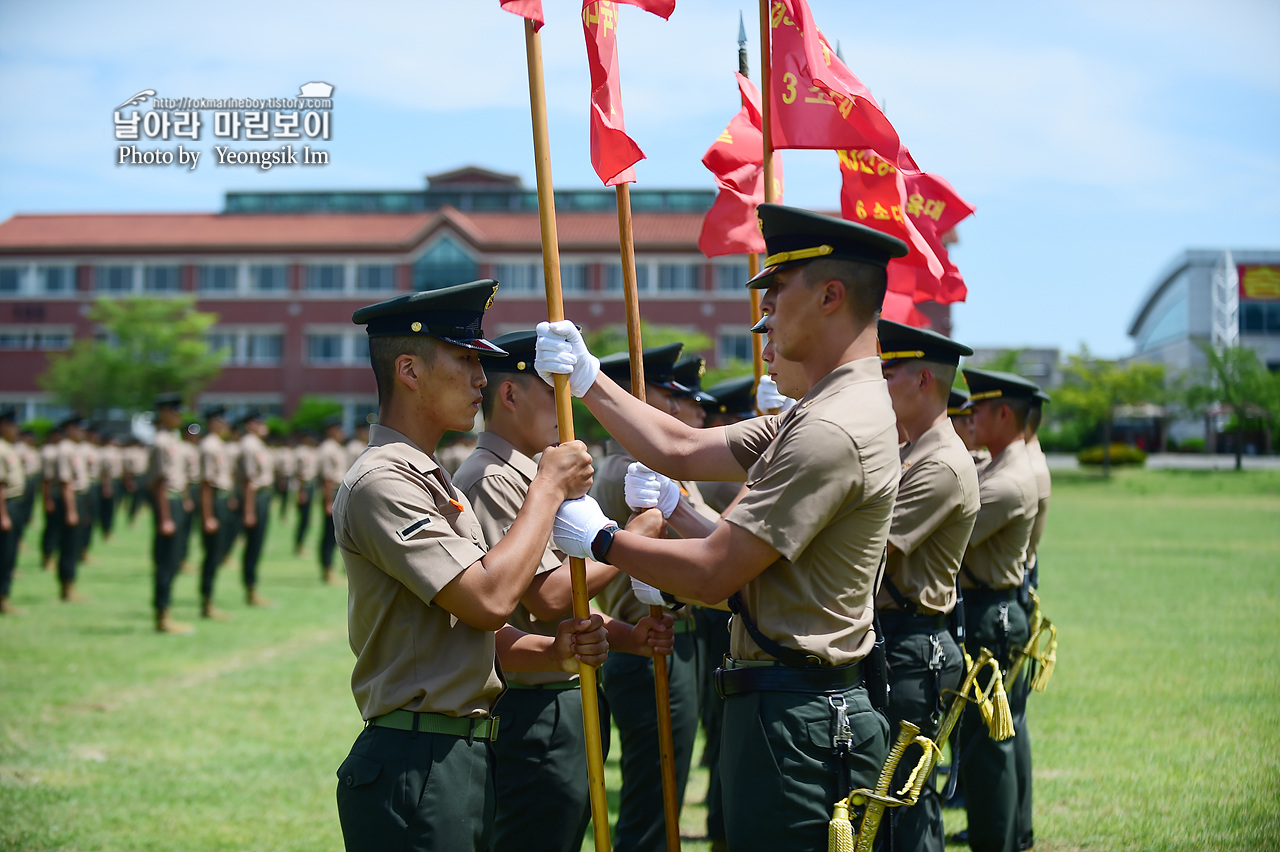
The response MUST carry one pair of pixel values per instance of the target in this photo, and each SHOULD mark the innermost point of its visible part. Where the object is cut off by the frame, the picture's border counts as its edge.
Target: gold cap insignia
(417, 326)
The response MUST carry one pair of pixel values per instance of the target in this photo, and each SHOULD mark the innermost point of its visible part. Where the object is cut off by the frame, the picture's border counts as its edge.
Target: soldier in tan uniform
(255, 478)
(13, 485)
(191, 453)
(306, 469)
(30, 454)
(542, 746)
(73, 506)
(959, 417)
(217, 505)
(426, 594)
(990, 576)
(167, 475)
(628, 679)
(111, 463)
(932, 518)
(51, 534)
(135, 476)
(332, 457)
(800, 552)
(359, 440)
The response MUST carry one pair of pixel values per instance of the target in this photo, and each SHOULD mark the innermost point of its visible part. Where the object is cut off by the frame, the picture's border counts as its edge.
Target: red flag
(613, 152)
(531, 9)
(900, 308)
(934, 207)
(816, 100)
(873, 192)
(661, 8)
(736, 159)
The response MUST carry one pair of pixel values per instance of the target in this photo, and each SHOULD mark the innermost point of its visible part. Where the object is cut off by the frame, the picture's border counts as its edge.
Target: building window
(267, 279)
(11, 279)
(380, 276)
(444, 265)
(326, 277)
(573, 278)
(217, 279)
(734, 347)
(521, 277)
(360, 347)
(161, 279)
(731, 276)
(1260, 318)
(113, 279)
(26, 337)
(613, 277)
(324, 348)
(679, 277)
(261, 349)
(54, 279)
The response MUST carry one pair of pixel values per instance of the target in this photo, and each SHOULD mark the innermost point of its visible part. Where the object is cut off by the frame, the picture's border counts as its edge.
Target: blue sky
(1097, 139)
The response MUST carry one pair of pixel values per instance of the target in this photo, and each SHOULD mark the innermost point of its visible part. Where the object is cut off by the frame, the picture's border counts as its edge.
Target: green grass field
(1158, 731)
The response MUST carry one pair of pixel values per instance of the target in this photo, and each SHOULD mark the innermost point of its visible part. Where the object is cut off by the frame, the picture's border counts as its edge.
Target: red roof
(324, 232)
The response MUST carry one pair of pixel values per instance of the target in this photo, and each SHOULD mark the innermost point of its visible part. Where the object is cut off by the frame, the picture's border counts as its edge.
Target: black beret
(659, 367)
(990, 384)
(519, 346)
(451, 314)
(900, 342)
(793, 236)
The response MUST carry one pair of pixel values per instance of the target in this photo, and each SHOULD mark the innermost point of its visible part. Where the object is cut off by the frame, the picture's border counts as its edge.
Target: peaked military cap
(519, 347)
(759, 327)
(1040, 397)
(7, 414)
(249, 415)
(451, 314)
(689, 372)
(659, 367)
(793, 236)
(71, 420)
(990, 384)
(956, 402)
(900, 342)
(215, 411)
(733, 396)
(331, 421)
(168, 400)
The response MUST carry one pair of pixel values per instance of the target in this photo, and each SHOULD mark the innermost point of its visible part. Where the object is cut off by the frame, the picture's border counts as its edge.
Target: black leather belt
(901, 623)
(988, 596)
(779, 678)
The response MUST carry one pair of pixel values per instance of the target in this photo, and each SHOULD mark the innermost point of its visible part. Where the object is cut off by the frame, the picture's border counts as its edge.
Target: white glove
(646, 594)
(769, 398)
(646, 489)
(561, 350)
(577, 524)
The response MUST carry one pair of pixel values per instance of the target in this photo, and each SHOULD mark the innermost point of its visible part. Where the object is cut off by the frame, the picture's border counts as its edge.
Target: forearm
(505, 571)
(658, 440)
(686, 521)
(206, 499)
(690, 568)
(160, 493)
(525, 652)
(621, 635)
(550, 595)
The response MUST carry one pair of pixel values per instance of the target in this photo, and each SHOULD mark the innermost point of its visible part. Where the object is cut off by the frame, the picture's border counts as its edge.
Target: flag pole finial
(743, 67)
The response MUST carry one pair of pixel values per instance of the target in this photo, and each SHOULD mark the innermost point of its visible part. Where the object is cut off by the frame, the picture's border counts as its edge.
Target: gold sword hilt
(877, 800)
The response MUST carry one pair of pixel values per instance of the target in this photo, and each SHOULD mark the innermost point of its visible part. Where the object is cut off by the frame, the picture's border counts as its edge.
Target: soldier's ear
(406, 371)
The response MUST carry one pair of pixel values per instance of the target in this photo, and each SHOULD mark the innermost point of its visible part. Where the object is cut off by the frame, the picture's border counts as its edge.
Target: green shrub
(1120, 454)
(1191, 445)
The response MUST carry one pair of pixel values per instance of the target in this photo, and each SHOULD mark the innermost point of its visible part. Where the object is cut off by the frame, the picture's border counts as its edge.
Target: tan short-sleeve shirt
(111, 461)
(821, 482)
(215, 463)
(333, 460)
(998, 543)
(932, 518)
(168, 461)
(405, 533)
(12, 475)
(49, 462)
(306, 465)
(1044, 485)
(496, 478)
(256, 466)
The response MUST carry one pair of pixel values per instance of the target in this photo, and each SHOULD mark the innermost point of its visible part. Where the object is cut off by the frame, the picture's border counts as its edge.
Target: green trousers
(779, 769)
(628, 685)
(416, 792)
(167, 550)
(915, 695)
(713, 645)
(988, 769)
(540, 770)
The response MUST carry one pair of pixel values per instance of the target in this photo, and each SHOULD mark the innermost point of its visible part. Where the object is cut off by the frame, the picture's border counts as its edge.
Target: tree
(1238, 381)
(147, 347)
(1094, 388)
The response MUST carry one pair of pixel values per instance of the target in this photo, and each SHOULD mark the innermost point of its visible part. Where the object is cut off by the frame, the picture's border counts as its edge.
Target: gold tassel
(1047, 662)
(1001, 723)
(840, 830)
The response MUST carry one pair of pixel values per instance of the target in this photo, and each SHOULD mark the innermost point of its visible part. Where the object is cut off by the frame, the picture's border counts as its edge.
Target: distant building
(285, 270)
(1177, 314)
(1042, 366)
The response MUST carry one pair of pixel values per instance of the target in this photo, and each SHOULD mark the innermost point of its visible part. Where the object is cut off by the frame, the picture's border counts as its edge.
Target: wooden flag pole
(766, 130)
(661, 685)
(564, 419)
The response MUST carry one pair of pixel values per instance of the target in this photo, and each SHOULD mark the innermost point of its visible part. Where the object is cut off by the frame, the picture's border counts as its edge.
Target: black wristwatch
(602, 542)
